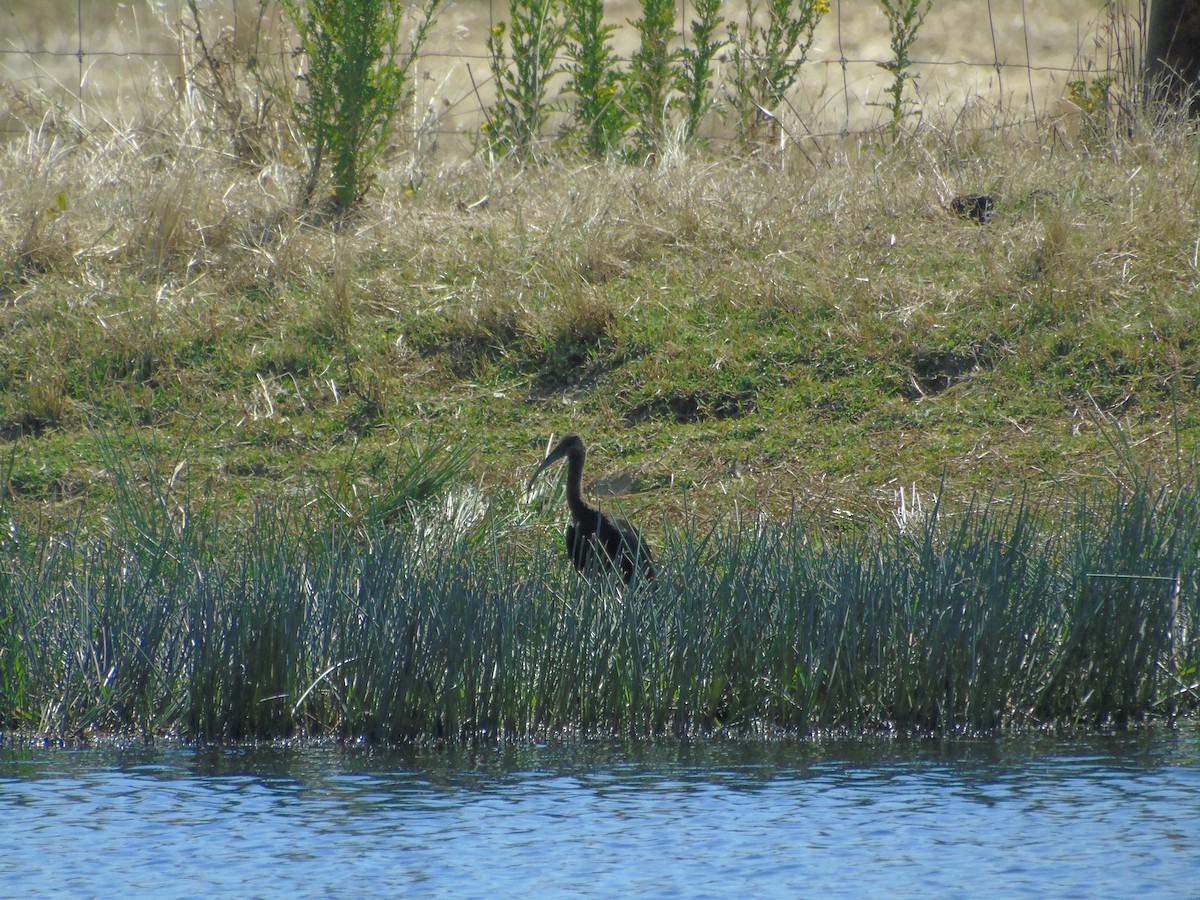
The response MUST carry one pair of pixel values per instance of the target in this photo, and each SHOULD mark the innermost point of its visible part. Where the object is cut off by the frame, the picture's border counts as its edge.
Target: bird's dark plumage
(595, 536)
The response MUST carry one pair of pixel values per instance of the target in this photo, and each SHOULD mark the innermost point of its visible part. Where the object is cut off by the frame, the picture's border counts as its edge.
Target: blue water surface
(1113, 816)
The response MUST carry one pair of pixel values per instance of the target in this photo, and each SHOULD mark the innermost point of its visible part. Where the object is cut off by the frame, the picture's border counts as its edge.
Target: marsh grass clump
(474, 333)
(46, 406)
(329, 621)
(582, 326)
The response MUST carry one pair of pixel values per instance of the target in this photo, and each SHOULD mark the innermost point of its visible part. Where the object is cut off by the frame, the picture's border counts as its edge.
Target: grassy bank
(227, 422)
(996, 616)
(774, 335)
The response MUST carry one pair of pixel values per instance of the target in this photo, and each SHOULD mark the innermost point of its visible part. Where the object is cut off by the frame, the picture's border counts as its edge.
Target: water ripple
(1013, 818)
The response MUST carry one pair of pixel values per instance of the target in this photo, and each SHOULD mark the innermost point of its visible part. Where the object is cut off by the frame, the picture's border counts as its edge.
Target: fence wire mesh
(987, 65)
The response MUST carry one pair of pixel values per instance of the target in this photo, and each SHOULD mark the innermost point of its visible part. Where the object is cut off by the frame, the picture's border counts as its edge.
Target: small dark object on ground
(977, 207)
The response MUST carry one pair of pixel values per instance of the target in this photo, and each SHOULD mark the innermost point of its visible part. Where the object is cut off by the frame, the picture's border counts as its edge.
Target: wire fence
(984, 64)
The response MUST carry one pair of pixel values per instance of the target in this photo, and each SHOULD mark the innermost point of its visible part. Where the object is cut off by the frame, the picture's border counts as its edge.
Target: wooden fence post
(1173, 52)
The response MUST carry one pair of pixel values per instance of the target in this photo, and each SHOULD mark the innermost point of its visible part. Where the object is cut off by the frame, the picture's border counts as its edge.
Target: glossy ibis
(595, 536)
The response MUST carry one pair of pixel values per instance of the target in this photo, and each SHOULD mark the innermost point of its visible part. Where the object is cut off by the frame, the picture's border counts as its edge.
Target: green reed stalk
(994, 616)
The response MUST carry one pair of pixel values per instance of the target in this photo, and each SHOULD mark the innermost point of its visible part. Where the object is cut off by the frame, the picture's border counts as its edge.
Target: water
(1035, 817)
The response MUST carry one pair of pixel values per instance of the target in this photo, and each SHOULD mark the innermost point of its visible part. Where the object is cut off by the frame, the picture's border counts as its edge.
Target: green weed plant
(697, 62)
(767, 58)
(358, 63)
(521, 73)
(1093, 98)
(599, 117)
(653, 76)
(904, 18)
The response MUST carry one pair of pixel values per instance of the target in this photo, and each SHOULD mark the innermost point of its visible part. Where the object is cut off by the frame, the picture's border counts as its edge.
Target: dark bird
(595, 536)
(977, 207)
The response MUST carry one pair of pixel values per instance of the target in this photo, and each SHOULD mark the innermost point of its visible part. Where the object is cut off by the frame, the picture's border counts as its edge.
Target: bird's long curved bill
(554, 457)
(533, 477)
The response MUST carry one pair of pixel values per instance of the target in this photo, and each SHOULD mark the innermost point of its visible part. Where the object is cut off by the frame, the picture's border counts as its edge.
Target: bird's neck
(581, 510)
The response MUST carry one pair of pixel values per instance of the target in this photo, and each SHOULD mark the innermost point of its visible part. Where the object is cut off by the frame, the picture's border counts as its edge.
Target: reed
(1000, 615)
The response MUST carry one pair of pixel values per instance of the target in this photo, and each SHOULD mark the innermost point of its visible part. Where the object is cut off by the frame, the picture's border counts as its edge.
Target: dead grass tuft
(474, 334)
